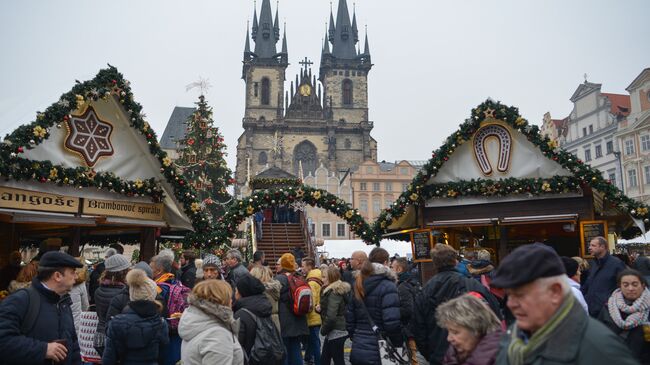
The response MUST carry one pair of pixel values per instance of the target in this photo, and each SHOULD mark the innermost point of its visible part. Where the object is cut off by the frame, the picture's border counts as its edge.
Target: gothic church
(316, 122)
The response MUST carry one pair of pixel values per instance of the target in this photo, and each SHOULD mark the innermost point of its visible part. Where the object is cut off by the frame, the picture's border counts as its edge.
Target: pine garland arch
(238, 210)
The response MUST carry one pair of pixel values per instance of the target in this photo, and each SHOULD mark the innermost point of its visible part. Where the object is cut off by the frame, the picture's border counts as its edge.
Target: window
(591, 129)
(388, 186)
(312, 229)
(599, 151)
(609, 146)
(645, 143)
(347, 92)
(388, 202)
(631, 178)
(363, 187)
(646, 173)
(404, 170)
(629, 147)
(375, 186)
(266, 91)
(340, 229)
(325, 229)
(255, 88)
(405, 186)
(262, 159)
(611, 175)
(376, 206)
(587, 155)
(584, 131)
(369, 170)
(363, 205)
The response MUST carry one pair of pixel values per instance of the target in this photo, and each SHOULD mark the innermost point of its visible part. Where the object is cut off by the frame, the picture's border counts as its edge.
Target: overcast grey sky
(434, 60)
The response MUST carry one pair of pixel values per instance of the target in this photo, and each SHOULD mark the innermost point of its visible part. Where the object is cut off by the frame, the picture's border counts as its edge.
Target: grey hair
(560, 279)
(601, 240)
(163, 262)
(469, 312)
(167, 253)
(235, 254)
(484, 255)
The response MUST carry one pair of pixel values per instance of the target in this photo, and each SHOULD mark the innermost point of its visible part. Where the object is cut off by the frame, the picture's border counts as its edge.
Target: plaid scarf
(637, 312)
(518, 351)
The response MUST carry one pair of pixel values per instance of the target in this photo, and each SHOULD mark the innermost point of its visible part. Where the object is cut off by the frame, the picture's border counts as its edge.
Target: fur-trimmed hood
(380, 269)
(338, 287)
(273, 288)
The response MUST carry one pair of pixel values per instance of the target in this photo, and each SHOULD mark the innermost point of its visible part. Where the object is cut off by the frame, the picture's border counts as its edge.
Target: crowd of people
(535, 307)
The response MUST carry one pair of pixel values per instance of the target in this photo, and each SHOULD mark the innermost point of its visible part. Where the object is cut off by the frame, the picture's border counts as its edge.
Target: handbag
(87, 330)
(387, 349)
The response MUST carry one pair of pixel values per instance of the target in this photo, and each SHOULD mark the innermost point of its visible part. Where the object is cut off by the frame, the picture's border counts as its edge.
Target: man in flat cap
(36, 325)
(551, 326)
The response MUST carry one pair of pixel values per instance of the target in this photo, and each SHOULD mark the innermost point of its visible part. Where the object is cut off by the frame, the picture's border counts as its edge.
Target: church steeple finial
(284, 40)
(332, 29)
(344, 38)
(255, 24)
(326, 43)
(355, 31)
(276, 22)
(366, 50)
(267, 33)
(247, 46)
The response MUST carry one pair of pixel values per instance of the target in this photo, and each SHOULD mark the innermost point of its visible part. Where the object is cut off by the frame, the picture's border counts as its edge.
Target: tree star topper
(202, 84)
(89, 136)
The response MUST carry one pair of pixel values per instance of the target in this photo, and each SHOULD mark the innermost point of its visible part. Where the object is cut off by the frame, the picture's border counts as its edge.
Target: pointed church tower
(264, 68)
(343, 71)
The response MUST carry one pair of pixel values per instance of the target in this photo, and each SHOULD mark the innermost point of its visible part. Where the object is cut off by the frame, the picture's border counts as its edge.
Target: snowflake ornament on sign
(89, 136)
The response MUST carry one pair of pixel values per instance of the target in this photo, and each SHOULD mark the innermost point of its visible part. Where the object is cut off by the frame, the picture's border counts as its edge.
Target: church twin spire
(265, 33)
(344, 35)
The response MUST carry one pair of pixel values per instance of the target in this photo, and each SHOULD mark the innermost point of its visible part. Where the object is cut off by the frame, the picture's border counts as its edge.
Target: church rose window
(347, 92)
(266, 91)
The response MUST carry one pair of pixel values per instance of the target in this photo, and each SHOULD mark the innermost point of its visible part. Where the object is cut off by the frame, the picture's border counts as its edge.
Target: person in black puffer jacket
(250, 297)
(120, 301)
(136, 336)
(447, 284)
(375, 287)
(111, 285)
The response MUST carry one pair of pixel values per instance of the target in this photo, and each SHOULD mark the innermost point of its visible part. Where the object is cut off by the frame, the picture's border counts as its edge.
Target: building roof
(176, 127)
(620, 104)
(386, 166)
(275, 173)
(639, 79)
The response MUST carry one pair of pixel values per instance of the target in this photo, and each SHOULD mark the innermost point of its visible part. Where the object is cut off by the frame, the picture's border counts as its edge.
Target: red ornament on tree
(190, 141)
(20, 150)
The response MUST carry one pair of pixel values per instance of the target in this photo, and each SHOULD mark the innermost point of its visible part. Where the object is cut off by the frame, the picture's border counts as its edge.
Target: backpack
(33, 309)
(499, 293)
(299, 294)
(268, 346)
(176, 300)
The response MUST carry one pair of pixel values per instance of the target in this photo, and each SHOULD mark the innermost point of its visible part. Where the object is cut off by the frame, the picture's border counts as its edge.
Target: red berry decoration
(42, 179)
(20, 150)
(114, 82)
(149, 135)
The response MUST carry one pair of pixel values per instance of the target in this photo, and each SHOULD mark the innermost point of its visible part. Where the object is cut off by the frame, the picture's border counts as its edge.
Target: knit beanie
(144, 267)
(249, 285)
(117, 263)
(211, 260)
(140, 286)
(288, 262)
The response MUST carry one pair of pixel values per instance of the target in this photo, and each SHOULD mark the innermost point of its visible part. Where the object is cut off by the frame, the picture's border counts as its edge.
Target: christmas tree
(201, 157)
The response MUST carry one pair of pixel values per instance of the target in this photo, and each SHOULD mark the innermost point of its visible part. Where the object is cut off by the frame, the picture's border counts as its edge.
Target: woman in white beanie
(136, 336)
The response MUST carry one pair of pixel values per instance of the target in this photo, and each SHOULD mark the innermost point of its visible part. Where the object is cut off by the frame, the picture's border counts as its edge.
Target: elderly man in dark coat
(551, 327)
(36, 324)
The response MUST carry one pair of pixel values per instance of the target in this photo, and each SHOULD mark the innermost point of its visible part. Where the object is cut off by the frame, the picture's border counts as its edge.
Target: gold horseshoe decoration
(505, 145)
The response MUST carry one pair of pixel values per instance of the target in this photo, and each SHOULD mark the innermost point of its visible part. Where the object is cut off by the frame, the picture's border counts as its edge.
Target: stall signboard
(33, 200)
(116, 208)
(421, 244)
(588, 231)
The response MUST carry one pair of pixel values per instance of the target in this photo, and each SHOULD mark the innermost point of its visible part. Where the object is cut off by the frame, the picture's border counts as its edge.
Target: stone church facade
(316, 121)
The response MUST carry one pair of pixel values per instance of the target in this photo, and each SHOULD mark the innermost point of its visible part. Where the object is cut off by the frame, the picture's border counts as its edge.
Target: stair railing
(311, 248)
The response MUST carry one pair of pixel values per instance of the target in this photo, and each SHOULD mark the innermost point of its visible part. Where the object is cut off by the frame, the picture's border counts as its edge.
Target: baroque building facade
(633, 139)
(318, 121)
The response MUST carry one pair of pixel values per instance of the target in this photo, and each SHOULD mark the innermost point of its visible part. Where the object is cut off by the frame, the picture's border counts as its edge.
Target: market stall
(89, 170)
(497, 183)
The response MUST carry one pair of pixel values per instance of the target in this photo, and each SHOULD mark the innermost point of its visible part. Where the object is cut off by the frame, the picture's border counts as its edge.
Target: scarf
(637, 311)
(518, 350)
(221, 313)
(163, 279)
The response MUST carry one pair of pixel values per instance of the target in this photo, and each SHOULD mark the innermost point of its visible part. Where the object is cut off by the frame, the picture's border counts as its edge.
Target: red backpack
(300, 295)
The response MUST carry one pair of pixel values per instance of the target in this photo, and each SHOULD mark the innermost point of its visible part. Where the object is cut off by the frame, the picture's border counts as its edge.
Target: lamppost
(617, 154)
